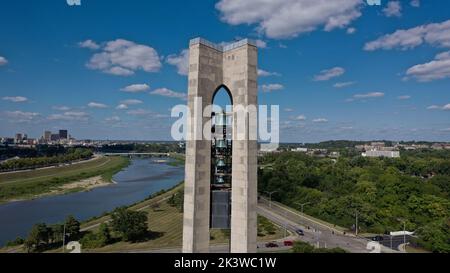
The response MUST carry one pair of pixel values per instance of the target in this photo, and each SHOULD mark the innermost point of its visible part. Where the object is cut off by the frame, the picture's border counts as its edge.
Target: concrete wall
(210, 67)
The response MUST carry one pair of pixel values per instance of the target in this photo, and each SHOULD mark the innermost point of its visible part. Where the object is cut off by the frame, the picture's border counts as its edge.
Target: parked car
(288, 243)
(378, 238)
(271, 245)
(300, 232)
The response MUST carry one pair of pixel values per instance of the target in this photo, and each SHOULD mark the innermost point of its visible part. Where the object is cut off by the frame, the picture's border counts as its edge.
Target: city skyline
(348, 71)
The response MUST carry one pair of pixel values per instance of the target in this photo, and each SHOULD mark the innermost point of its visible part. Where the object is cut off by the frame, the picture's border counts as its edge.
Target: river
(143, 177)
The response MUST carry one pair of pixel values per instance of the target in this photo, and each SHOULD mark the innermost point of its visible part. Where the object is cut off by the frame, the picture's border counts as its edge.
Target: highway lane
(315, 235)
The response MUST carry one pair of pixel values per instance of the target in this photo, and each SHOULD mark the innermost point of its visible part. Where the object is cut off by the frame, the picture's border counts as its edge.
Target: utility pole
(356, 226)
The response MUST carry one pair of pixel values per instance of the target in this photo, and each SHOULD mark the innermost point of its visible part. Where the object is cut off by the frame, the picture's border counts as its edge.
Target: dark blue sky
(338, 69)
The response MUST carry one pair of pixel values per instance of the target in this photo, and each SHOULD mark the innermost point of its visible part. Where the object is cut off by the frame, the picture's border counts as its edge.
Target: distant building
(300, 150)
(47, 136)
(63, 134)
(54, 137)
(18, 138)
(390, 154)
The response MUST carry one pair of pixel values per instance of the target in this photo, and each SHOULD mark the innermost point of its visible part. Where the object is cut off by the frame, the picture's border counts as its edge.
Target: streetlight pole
(404, 234)
(270, 197)
(302, 205)
(64, 237)
(356, 226)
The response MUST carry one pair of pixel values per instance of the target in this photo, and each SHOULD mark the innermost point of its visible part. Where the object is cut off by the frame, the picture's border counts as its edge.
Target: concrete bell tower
(211, 67)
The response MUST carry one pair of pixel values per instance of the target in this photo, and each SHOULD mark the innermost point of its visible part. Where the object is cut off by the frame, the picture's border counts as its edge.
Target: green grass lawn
(26, 185)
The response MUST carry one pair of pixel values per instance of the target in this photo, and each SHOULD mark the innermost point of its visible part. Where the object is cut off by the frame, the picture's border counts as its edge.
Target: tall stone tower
(211, 67)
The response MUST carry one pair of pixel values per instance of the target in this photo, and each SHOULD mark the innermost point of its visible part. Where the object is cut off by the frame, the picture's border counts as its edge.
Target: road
(395, 241)
(316, 233)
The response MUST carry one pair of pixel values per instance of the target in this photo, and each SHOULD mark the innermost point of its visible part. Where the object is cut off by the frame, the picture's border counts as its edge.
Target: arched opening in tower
(221, 159)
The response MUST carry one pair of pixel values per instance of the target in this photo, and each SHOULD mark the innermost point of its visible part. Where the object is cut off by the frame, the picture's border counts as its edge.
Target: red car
(288, 243)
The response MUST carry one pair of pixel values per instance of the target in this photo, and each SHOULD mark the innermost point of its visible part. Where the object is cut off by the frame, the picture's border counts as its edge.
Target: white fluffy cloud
(393, 8)
(301, 117)
(169, 93)
(437, 107)
(20, 116)
(437, 69)
(264, 73)
(267, 88)
(3, 61)
(351, 30)
(261, 44)
(15, 99)
(97, 105)
(70, 116)
(124, 58)
(135, 88)
(122, 106)
(405, 97)
(89, 44)
(328, 74)
(113, 119)
(61, 108)
(131, 102)
(289, 18)
(139, 112)
(320, 120)
(180, 61)
(343, 84)
(436, 34)
(369, 95)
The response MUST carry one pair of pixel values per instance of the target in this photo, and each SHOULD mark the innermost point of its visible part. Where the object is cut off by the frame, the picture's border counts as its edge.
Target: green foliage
(131, 225)
(72, 227)
(265, 226)
(39, 236)
(302, 247)
(435, 236)
(415, 187)
(177, 200)
(38, 162)
(17, 242)
(96, 240)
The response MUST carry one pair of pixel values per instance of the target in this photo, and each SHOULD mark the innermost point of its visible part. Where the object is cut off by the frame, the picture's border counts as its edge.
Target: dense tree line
(38, 151)
(168, 147)
(126, 225)
(71, 154)
(386, 193)
(43, 236)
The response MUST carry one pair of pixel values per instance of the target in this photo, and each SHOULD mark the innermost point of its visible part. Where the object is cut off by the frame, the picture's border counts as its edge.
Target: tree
(39, 236)
(131, 225)
(72, 228)
(98, 239)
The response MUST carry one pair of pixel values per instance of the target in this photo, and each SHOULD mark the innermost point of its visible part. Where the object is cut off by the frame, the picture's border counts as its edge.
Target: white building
(390, 154)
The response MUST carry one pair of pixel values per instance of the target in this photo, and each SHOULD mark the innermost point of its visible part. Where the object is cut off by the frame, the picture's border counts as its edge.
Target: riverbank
(165, 221)
(79, 177)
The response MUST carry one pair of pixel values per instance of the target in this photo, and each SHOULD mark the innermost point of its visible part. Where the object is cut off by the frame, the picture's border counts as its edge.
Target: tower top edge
(223, 47)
